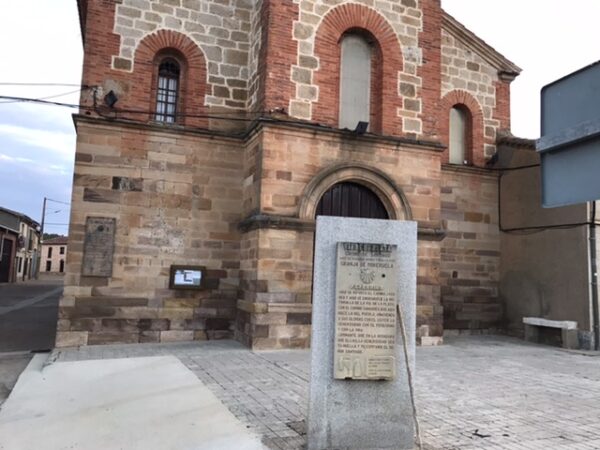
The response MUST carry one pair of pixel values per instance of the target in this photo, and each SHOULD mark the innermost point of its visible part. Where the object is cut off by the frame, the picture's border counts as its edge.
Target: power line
(40, 84)
(57, 201)
(37, 100)
(130, 111)
(44, 98)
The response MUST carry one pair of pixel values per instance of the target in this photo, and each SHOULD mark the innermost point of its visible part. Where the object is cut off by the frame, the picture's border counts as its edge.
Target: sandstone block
(71, 338)
(176, 336)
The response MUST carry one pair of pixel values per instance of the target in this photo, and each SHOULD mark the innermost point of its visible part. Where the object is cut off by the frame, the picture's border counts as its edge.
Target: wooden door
(351, 200)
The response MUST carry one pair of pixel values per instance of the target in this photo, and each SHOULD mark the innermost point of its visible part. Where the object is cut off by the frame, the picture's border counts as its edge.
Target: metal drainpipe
(594, 267)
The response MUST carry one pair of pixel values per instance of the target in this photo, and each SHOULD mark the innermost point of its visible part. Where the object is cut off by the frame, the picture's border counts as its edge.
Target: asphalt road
(28, 314)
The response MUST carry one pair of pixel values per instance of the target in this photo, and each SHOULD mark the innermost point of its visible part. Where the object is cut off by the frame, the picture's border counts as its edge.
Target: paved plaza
(472, 393)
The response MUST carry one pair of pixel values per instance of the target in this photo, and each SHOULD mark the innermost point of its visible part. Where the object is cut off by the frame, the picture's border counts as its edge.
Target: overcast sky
(547, 39)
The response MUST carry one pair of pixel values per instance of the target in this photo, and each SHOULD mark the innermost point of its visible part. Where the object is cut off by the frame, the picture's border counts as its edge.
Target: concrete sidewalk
(136, 403)
(472, 393)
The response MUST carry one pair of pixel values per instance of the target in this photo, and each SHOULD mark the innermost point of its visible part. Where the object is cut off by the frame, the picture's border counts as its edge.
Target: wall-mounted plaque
(186, 277)
(365, 311)
(98, 247)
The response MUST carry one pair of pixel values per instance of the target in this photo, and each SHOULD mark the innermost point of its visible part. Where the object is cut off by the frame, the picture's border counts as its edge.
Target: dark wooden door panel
(351, 200)
(5, 261)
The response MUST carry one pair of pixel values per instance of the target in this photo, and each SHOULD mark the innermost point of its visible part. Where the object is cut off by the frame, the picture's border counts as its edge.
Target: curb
(33, 369)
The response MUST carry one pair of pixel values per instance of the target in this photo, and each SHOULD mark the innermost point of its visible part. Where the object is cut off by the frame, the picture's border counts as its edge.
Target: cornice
(276, 222)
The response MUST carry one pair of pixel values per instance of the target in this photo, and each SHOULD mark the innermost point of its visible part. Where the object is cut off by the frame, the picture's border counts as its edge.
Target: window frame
(467, 153)
(159, 57)
(376, 82)
(342, 116)
(164, 78)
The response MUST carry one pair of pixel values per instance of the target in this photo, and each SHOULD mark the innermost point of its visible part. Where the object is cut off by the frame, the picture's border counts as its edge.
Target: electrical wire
(57, 201)
(37, 100)
(6, 83)
(127, 111)
(44, 98)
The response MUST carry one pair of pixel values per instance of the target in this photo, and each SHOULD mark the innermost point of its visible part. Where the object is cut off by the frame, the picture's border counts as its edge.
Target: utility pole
(39, 256)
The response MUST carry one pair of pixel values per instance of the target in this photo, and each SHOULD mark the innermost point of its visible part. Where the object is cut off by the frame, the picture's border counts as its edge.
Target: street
(28, 313)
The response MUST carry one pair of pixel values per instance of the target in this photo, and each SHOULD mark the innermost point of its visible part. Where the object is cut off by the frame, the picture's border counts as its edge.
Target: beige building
(54, 255)
(28, 248)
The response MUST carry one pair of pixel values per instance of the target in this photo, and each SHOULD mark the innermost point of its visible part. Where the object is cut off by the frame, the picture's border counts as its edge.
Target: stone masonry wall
(180, 204)
(220, 28)
(183, 196)
(262, 55)
(403, 17)
(276, 289)
(275, 306)
(470, 257)
(465, 70)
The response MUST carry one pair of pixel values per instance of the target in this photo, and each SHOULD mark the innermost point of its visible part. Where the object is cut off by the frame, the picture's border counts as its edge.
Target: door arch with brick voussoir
(375, 195)
(348, 199)
(354, 190)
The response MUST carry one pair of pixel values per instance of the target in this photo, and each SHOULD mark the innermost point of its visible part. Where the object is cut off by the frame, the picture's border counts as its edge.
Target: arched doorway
(349, 199)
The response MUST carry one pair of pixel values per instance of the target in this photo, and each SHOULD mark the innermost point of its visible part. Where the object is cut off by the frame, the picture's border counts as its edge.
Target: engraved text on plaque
(365, 311)
(98, 247)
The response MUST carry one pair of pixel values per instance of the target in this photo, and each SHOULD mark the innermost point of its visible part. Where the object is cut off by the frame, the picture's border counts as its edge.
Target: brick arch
(390, 194)
(475, 151)
(193, 84)
(387, 62)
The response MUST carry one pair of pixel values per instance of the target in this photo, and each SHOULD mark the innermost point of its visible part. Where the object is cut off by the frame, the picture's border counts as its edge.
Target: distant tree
(50, 236)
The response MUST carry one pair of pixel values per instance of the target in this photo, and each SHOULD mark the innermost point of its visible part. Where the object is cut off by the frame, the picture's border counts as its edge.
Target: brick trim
(387, 63)
(502, 110)
(383, 186)
(193, 83)
(475, 150)
(430, 71)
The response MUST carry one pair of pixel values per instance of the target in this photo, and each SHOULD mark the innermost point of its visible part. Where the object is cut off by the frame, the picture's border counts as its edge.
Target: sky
(41, 43)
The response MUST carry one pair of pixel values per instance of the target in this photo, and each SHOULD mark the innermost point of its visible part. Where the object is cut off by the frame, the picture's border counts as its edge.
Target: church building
(212, 133)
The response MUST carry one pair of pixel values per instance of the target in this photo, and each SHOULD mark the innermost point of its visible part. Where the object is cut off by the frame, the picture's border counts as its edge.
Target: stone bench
(569, 332)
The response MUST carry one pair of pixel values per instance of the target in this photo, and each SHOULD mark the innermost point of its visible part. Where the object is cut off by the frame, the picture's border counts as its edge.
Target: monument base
(360, 414)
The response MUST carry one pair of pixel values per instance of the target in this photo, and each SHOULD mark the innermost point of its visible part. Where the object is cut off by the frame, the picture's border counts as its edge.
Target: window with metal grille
(167, 92)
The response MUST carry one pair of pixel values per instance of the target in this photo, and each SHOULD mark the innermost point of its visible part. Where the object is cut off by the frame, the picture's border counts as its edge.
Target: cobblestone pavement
(472, 393)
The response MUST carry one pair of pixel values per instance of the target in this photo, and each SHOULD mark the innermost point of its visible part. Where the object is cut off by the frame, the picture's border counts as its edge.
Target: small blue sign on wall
(569, 146)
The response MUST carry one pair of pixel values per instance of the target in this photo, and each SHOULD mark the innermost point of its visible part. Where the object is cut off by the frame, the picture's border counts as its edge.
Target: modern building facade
(215, 132)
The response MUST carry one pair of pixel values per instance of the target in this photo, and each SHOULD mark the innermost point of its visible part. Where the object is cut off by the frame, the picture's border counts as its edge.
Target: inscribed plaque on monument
(98, 247)
(365, 311)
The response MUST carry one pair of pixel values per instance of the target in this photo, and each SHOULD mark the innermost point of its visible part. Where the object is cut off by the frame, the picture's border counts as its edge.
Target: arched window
(167, 90)
(355, 81)
(460, 135)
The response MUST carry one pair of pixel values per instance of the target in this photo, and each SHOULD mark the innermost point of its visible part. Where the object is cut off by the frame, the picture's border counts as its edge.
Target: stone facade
(234, 183)
(470, 254)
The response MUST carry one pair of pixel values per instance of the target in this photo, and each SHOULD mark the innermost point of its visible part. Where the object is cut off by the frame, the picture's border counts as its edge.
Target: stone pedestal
(360, 413)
